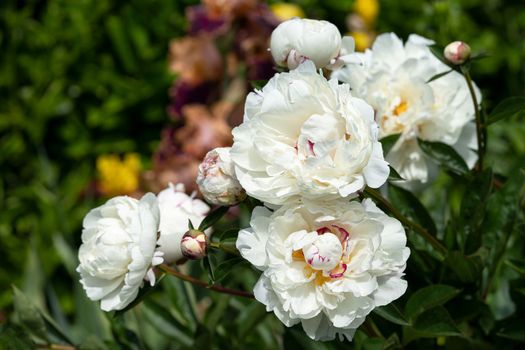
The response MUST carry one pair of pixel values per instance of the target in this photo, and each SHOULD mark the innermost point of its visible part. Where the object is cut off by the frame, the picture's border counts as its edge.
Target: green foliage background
(87, 77)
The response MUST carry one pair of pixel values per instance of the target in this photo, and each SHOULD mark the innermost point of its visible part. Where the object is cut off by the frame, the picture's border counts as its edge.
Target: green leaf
(506, 109)
(216, 312)
(445, 155)
(388, 142)
(411, 207)
(258, 84)
(92, 343)
(230, 233)
(434, 322)
(13, 337)
(466, 269)
(427, 298)
(165, 323)
(249, 318)
(209, 267)
(391, 313)
(190, 225)
(394, 175)
(29, 315)
(226, 267)
(472, 213)
(439, 75)
(513, 329)
(213, 217)
(516, 265)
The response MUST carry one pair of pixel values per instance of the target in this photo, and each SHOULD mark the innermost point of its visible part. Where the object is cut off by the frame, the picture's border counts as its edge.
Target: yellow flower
(284, 11)
(368, 10)
(363, 40)
(118, 176)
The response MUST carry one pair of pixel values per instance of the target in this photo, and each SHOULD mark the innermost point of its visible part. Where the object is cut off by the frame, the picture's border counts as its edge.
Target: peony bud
(194, 244)
(457, 52)
(216, 179)
(297, 40)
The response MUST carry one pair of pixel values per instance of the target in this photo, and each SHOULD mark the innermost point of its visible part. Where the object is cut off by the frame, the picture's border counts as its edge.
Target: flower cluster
(124, 238)
(307, 148)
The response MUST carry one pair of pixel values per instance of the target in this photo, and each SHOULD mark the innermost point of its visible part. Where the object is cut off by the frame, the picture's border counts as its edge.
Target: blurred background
(101, 98)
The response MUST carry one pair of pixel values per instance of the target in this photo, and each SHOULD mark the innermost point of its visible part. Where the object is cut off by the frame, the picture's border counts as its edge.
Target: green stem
(386, 205)
(224, 247)
(171, 271)
(479, 118)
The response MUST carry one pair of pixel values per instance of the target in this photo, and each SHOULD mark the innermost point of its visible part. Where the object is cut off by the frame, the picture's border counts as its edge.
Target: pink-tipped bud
(194, 244)
(457, 52)
(216, 179)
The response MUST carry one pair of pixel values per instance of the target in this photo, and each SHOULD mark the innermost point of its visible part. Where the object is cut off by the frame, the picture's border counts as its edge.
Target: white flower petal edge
(306, 137)
(176, 208)
(393, 79)
(326, 267)
(118, 250)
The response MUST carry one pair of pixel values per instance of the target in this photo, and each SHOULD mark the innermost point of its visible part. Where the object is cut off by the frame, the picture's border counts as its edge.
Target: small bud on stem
(457, 52)
(194, 244)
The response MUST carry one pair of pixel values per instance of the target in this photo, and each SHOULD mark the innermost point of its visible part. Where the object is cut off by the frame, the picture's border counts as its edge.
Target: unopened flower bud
(194, 244)
(297, 40)
(216, 179)
(457, 52)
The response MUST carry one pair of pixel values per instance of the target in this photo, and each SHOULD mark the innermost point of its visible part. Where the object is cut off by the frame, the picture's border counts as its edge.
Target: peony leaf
(467, 269)
(229, 233)
(258, 84)
(472, 213)
(445, 155)
(512, 329)
(391, 313)
(161, 317)
(394, 175)
(14, 337)
(410, 206)
(226, 267)
(249, 318)
(434, 322)
(506, 109)
(388, 142)
(214, 216)
(427, 298)
(208, 265)
(439, 75)
(29, 315)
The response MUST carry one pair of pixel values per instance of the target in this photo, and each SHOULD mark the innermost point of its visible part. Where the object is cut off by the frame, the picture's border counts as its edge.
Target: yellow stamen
(400, 108)
(298, 255)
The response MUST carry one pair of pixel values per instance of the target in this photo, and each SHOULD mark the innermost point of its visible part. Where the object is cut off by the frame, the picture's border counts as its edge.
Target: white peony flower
(304, 136)
(326, 267)
(216, 178)
(176, 208)
(393, 79)
(118, 250)
(297, 40)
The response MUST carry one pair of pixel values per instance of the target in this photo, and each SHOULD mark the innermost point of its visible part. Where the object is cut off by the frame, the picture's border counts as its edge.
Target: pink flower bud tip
(194, 245)
(457, 52)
